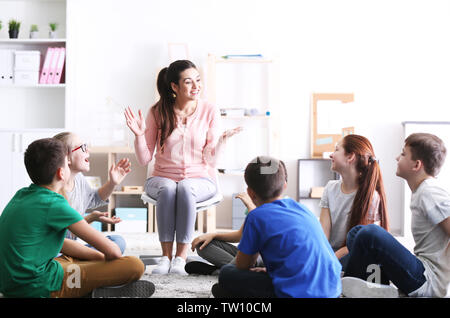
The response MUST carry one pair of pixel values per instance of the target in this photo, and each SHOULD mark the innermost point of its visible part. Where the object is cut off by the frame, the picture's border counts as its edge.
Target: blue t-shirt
(294, 248)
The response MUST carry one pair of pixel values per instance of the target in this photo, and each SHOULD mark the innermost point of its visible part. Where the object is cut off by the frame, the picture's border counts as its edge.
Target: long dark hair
(163, 110)
(369, 181)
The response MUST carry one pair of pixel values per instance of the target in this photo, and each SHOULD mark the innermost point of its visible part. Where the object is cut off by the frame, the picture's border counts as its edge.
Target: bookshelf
(29, 112)
(32, 41)
(33, 106)
(101, 159)
(246, 84)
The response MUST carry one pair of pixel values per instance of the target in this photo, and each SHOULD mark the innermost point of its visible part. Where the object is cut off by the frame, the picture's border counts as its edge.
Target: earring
(174, 95)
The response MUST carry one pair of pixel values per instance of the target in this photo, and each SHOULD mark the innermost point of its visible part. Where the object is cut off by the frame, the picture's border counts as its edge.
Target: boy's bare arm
(244, 261)
(325, 221)
(74, 249)
(245, 198)
(204, 239)
(88, 234)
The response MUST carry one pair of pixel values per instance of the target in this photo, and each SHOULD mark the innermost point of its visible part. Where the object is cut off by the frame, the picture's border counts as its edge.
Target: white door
(7, 147)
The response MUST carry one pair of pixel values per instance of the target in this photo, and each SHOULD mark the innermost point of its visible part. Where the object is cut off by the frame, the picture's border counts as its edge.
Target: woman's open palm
(136, 124)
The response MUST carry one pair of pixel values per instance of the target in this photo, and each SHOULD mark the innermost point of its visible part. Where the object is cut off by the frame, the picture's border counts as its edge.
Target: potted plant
(34, 31)
(0, 24)
(14, 27)
(53, 27)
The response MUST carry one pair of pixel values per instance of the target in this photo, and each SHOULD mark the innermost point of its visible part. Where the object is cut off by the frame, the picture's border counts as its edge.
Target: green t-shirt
(32, 231)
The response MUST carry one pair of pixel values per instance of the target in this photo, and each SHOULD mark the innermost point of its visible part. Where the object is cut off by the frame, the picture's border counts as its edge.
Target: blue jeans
(245, 283)
(116, 239)
(370, 245)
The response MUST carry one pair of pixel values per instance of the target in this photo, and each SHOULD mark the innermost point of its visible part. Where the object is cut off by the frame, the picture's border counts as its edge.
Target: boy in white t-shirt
(426, 273)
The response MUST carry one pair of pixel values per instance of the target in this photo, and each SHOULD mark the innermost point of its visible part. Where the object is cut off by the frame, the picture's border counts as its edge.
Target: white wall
(394, 55)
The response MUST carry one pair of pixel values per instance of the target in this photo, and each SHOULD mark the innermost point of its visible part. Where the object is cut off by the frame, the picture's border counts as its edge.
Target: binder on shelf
(6, 67)
(53, 65)
(60, 65)
(46, 66)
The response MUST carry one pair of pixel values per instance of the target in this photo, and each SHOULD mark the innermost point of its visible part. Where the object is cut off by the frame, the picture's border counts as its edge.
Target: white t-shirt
(83, 197)
(430, 205)
(340, 204)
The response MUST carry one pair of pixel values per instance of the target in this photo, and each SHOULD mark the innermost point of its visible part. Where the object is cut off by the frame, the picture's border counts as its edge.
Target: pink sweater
(189, 152)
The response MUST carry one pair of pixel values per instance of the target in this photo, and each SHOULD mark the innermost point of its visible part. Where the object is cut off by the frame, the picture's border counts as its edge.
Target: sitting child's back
(32, 229)
(296, 253)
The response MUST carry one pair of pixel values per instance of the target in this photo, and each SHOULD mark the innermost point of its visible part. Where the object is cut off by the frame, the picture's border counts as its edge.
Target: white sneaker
(177, 266)
(353, 287)
(163, 266)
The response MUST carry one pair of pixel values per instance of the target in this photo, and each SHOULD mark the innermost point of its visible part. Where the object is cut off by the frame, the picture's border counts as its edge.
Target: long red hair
(369, 181)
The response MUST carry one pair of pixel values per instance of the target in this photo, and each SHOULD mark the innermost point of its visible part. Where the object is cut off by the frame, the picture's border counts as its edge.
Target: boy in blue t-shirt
(298, 257)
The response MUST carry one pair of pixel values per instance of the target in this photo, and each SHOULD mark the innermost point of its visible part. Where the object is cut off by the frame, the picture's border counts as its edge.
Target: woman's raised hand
(136, 124)
(228, 133)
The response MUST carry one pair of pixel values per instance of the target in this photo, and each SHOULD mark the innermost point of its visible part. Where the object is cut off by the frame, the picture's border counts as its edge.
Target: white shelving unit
(101, 160)
(31, 41)
(246, 83)
(29, 111)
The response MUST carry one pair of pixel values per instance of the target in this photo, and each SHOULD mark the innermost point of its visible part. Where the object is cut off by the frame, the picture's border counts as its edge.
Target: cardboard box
(27, 60)
(132, 188)
(26, 77)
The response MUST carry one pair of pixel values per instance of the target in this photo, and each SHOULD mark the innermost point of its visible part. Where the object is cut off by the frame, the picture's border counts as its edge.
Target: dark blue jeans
(371, 245)
(245, 283)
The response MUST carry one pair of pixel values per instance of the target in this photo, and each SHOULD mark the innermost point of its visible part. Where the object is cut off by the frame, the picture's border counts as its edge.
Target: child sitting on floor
(216, 248)
(32, 230)
(78, 192)
(426, 273)
(298, 258)
(357, 198)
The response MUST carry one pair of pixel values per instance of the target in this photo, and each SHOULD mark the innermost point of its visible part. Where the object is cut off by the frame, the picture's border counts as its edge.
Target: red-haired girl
(357, 198)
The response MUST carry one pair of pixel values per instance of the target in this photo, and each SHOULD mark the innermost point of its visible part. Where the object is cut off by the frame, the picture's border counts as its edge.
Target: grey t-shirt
(83, 197)
(430, 205)
(340, 204)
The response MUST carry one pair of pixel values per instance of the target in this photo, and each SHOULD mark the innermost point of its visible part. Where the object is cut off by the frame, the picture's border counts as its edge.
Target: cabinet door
(15, 174)
(20, 176)
(7, 147)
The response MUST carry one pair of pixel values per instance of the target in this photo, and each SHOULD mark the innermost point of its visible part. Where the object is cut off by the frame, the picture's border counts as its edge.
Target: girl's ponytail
(163, 110)
(370, 181)
(164, 89)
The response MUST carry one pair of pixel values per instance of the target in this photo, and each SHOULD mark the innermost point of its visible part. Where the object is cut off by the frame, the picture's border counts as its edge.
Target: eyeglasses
(83, 148)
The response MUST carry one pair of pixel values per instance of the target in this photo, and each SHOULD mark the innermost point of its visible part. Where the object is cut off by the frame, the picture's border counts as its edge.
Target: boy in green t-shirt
(32, 231)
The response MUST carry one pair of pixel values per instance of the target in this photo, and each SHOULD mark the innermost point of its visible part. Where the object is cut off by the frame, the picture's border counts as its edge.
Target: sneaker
(163, 266)
(353, 287)
(138, 289)
(177, 266)
(200, 268)
(150, 260)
